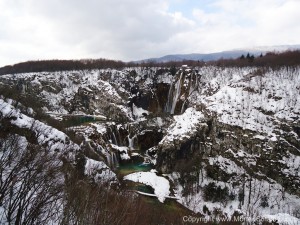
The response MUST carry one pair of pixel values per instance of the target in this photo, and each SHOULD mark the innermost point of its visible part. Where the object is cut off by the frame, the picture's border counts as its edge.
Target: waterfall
(108, 159)
(169, 102)
(182, 107)
(113, 137)
(112, 160)
(131, 141)
(177, 93)
(119, 139)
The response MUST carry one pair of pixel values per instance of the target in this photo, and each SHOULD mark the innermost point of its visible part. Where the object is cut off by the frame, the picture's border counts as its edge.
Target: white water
(169, 102)
(112, 160)
(182, 107)
(108, 159)
(114, 138)
(131, 141)
(115, 162)
(177, 91)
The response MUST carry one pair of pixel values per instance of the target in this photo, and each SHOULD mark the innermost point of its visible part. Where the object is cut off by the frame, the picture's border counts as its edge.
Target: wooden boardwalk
(97, 117)
(152, 195)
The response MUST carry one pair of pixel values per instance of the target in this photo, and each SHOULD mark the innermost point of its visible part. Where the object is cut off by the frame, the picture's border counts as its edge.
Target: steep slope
(34, 157)
(248, 149)
(227, 139)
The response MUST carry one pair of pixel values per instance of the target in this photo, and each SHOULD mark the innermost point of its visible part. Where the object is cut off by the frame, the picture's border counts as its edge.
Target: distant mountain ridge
(256, 51)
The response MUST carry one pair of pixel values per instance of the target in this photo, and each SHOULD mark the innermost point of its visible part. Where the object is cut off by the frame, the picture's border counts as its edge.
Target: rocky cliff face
(226, 138)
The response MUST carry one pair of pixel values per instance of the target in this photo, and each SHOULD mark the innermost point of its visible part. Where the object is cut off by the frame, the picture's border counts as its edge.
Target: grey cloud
(116, 26)
(135, 29)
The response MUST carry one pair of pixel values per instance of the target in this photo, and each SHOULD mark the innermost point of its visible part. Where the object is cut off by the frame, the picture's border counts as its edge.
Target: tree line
(61, 65)
(270, 59)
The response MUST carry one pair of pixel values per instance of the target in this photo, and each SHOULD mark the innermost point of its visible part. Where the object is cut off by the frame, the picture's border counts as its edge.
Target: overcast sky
(137, 29)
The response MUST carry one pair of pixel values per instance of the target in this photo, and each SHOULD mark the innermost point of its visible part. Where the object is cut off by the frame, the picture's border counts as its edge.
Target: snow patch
(138, 112)
(282, 218)
(99, 171)
(185, 125)
(160, 184)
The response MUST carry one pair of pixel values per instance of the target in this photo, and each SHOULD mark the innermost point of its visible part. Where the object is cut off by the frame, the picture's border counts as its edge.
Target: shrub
(264, 201)
(215, 193)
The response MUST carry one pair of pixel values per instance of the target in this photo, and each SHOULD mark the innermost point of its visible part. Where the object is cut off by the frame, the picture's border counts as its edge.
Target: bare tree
(31, 182)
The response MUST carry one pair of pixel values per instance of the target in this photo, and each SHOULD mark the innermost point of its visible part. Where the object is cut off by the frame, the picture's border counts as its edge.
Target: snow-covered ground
(46, 135)
(280, 205)
(184, 126)
(246, 98)
(56, 141)
(98, 170)
(256, 100)
(160, 184)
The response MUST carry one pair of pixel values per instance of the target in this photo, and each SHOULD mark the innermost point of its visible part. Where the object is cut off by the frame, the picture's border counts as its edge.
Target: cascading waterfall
(177, 91)
(113, 136)
(108, 159)
(112, 160)
(119, 139)
(169, 102)
(130, 137)
(115, 141)
(131, 141)
(182, 107)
